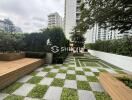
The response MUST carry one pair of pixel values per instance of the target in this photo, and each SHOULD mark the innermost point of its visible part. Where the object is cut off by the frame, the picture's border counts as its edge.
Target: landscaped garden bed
(11, 56)
(119, 87)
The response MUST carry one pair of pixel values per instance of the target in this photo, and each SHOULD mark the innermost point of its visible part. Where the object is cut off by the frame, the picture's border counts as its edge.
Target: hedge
(117, 46)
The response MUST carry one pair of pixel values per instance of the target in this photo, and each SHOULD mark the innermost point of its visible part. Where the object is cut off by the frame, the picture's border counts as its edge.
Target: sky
(30, 15)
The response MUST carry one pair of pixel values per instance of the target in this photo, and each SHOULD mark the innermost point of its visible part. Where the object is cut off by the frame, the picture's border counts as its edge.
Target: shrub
(35, 54)
(119, 46)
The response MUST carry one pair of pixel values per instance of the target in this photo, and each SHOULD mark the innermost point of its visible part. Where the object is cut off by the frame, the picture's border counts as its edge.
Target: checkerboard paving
(57, 82)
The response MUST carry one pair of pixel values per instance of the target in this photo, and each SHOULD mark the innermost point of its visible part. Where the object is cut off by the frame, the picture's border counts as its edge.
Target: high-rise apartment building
(55, 20)
(72, 15)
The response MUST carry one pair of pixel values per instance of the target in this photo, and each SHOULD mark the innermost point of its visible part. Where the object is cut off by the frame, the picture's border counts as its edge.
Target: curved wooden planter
(11, 56)
(115, 88)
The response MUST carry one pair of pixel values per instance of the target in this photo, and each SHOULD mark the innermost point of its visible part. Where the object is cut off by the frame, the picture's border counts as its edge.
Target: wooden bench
(115, 88)
(10, 71)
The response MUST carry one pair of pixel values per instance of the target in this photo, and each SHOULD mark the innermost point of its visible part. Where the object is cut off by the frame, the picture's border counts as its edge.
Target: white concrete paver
(25, 79)
(53, 93)
(70, 84)
(86, 95)
(24, 89)
(46, 81)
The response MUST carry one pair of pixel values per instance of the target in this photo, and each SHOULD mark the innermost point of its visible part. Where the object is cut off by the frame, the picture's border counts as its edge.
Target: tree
(116, 14)
(78, 41)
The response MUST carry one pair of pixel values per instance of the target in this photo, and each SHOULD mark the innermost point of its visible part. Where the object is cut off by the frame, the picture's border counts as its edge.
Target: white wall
(123, 62)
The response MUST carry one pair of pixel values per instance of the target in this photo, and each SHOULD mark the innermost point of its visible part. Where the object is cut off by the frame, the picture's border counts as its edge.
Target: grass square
(56, 67)
(33, 73)
(92, 64)
(58, 82)
(71, 77)
(102, 96)
(102, 70)
(14, 97)
(69, 94)
(51, 75)
(71, 68)
(83, 85)
(38, 91)
(92, 79)
(12, 88)
(35, 80)
(120, 72)
(79, 72)
(46, 69)
(62, 71)
(86, 69)
(96, 73)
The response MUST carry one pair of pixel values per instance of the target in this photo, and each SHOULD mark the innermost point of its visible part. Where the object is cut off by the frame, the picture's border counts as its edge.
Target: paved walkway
(76, 79)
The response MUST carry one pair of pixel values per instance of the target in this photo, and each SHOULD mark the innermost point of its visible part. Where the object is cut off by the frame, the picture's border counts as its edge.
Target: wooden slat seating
(13, 70)
(115, 88)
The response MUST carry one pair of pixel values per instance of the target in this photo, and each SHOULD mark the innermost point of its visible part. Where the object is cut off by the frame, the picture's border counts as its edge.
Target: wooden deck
(10, 71)
(116, 89)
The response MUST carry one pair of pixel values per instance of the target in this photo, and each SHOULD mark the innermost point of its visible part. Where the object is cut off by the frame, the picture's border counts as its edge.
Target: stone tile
(89, 73)
(78, 68)
(70, 84)
(54, 70)
(81, 78)
(3, 95)
(86, 95)
(71, 72)
(46, 81)
(39, 69)
(60, 75)
(25, 79)
(53, 93)
(24, 89)
(94, 70)
(49, 67)
(41, 74)
(96, 86)
(65, 68)
(27, 98)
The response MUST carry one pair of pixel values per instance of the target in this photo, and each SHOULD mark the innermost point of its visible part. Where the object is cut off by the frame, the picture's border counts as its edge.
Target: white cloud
(30, 15)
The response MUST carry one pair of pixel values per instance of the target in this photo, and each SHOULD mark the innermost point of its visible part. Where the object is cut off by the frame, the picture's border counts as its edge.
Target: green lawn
(38, 91)
(58, 82)
(14, 97)
(83, 85)
(12, 88)
(69, 94)
(35, 80)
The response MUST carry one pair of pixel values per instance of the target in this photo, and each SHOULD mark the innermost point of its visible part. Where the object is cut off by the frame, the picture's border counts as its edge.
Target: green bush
(127, 81)
(36, 54)
(119, 46)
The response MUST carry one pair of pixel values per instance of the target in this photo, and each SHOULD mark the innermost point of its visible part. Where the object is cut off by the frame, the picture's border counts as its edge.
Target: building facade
(72, 15)
(98, 33)
(55, 20)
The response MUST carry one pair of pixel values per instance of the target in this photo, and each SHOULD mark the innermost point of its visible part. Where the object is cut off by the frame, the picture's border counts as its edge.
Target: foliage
(36, 54)
(120, 46)
(78, 41)
(58, 39)
(127, 81)
(116, 14)
(35, 42)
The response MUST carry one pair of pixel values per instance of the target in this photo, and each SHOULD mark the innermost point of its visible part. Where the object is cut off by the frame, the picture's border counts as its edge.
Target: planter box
(114, 87)
(11, 56)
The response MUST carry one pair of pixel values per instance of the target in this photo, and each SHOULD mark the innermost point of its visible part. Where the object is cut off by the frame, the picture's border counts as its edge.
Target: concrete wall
(123, 62)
